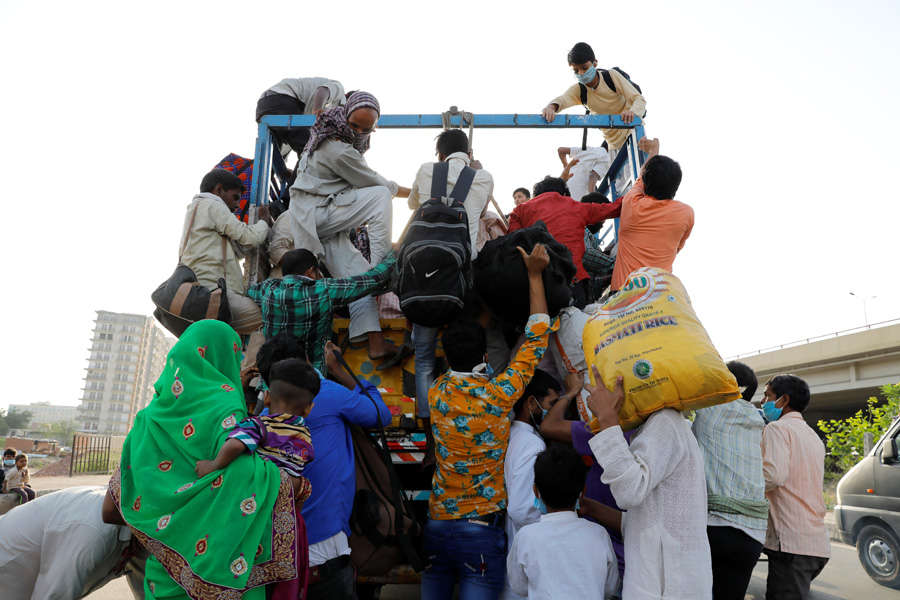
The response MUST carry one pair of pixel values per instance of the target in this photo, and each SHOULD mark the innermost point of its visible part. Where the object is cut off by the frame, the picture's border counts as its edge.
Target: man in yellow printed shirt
(465, 538)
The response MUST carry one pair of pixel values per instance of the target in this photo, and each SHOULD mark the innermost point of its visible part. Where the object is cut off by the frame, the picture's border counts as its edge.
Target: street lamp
(865, 300)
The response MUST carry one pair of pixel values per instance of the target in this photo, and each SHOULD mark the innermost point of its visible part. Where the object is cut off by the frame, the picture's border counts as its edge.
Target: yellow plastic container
(649, 334)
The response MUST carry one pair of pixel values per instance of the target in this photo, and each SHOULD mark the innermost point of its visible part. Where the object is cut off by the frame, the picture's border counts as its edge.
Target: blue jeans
(424, 341)
(467, 553)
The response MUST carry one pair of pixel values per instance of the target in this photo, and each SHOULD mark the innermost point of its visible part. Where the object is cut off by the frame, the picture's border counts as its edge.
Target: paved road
(842, 579)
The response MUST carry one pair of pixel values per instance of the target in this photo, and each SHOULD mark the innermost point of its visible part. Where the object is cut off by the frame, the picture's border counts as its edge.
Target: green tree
(62, 432)
(844, 437)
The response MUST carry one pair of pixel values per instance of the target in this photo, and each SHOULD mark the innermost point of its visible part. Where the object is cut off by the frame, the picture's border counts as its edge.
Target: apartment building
(127, 354)
(44, 413)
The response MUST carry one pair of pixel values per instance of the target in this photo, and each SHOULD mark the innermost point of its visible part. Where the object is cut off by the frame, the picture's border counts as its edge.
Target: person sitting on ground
(566, 220)
(339, 405)
(302, 302)
(793, 464)
(471, 428)
(622, 98)
(562, 555)
(652, 226)
(452, 147)
(593, 163)
(334, 193)
(659, 480)
(9, 461)
(303, 96)
(525, 444)
(521, 196)
(59, 547)
(17, 480)
(729, 436)
(211, 242)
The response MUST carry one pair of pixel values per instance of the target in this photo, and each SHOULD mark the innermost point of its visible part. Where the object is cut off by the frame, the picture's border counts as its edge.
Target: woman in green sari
(225, 535)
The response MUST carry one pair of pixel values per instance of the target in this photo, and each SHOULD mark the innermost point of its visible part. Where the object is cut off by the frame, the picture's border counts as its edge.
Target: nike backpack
(435, 262)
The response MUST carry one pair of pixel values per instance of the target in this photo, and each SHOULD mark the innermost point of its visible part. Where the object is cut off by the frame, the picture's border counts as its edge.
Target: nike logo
(427, 275)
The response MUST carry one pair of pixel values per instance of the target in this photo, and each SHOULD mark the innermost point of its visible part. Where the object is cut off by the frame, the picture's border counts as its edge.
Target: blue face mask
(9, 463)
(539, 504)
(587, 76)
(770, 412)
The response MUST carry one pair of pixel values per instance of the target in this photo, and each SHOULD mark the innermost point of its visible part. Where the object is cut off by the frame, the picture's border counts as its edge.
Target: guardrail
(818, 338)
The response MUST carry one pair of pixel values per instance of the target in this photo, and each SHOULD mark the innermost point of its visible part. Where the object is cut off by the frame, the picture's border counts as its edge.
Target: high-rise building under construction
(127, 354)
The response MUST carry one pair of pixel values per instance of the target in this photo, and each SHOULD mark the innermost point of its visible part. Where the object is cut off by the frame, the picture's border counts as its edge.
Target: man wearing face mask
(621, 98)
(336, 192)
(793, 466)
(525, 443)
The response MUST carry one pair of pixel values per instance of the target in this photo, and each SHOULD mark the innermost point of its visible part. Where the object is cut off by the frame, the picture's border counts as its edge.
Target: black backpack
(435, 264)
(608, 80)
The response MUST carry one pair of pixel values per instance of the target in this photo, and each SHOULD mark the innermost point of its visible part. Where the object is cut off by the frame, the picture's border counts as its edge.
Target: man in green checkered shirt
(302, 302)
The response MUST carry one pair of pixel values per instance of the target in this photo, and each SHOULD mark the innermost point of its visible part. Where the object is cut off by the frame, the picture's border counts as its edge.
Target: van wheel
(879, 553)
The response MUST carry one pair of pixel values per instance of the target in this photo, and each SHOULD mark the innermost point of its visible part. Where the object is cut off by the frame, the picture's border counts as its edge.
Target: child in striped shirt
(282, 436)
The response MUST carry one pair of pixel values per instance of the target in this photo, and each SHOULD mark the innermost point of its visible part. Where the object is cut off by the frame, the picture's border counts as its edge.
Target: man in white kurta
(57, 547)
(659, 481)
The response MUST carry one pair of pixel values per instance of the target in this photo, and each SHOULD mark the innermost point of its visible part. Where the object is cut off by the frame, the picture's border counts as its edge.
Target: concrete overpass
(843, 369)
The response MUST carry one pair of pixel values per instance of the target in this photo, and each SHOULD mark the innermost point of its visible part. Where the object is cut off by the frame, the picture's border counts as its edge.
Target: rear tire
(879, 554)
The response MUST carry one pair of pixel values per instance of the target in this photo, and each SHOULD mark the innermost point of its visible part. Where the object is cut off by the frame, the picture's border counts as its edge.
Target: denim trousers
(424, 341)
(470, 554)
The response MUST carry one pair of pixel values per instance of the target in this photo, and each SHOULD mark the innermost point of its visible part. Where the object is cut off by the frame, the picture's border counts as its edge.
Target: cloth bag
(180, 300)
(649, 334)
(501, 278)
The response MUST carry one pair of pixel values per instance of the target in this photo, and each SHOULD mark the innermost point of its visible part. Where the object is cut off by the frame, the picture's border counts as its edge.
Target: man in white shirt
(58, 547)
(212, 239)
(303, 96)
(659, 481)
(562, 555)
(592, 164)
(525, 443)
(452, 146)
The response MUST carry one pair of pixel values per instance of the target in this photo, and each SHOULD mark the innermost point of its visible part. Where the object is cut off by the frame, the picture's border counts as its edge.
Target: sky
(780, 114)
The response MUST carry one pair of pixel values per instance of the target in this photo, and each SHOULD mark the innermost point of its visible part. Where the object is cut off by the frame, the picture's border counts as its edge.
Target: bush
(844, 437)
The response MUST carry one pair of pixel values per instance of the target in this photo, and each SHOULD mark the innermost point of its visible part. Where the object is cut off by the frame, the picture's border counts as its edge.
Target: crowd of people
(228, 496)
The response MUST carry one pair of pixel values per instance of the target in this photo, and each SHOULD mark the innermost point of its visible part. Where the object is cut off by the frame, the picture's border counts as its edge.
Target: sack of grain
(648, 333)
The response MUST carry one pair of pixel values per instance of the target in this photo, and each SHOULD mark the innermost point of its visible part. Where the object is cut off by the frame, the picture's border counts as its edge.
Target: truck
(402, 443)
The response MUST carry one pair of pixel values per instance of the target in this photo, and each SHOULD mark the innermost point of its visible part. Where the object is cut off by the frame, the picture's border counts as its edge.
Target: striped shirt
(281, 439)
(304, 307)
(794, 465)
(729, 436)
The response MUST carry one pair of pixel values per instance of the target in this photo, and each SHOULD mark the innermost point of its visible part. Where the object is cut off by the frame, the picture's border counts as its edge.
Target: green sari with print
(227, 534)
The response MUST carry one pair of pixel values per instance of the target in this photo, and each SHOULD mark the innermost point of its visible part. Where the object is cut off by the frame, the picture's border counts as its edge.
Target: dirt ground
(64, 481)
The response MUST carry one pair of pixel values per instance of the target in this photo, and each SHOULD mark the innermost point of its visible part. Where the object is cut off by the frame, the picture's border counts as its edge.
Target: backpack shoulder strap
(583, 91)
(439, 174)
(608, 80)
(463, 184)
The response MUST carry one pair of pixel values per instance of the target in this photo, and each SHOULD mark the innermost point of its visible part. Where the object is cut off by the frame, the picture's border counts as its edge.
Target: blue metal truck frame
(262, 159)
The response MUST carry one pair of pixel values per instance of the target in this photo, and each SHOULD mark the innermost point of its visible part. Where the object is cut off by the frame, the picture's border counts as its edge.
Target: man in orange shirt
(793, 456)
(652, 226)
